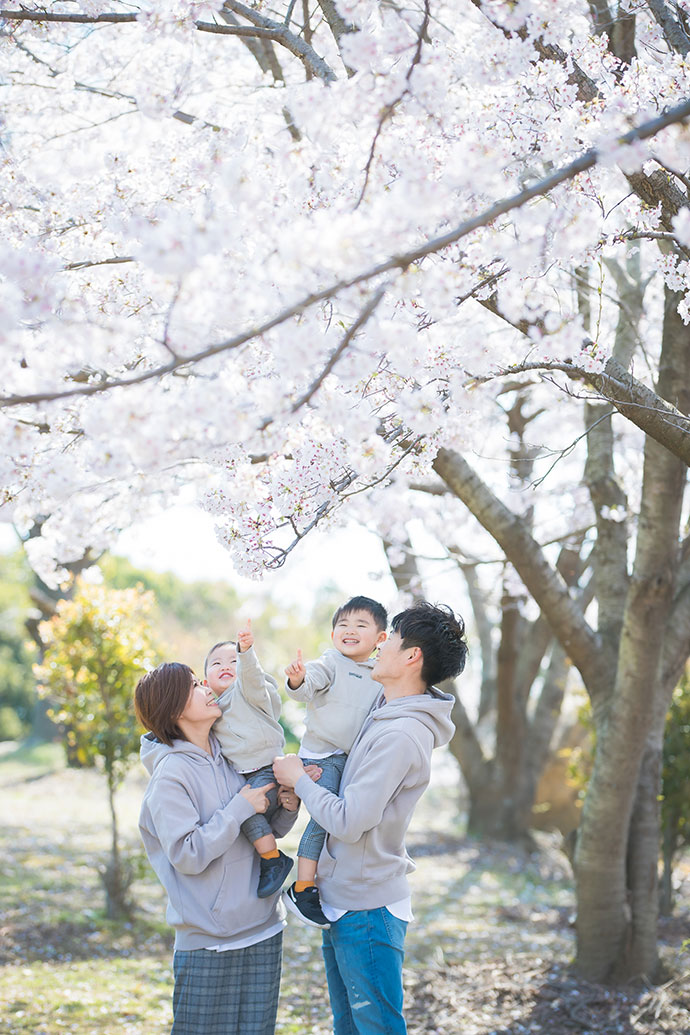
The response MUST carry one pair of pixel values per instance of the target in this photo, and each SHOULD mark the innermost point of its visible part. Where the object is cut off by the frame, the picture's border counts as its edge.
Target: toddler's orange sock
(302, 885)
(270, 855)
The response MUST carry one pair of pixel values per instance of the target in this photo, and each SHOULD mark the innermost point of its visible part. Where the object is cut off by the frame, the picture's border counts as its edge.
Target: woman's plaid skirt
(227, 993)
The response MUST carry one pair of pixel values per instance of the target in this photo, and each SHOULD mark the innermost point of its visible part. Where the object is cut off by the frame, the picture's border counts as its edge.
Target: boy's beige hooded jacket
(339, 694)
(248, 730)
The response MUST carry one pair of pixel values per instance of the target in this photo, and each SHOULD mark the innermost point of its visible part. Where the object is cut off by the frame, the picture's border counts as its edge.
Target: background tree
(97, 645)
(503, 746)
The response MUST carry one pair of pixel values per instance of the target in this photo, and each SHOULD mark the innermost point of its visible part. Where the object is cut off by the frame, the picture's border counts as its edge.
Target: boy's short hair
(372, 607)
(160, 698)
(439, 634)
(221, 643)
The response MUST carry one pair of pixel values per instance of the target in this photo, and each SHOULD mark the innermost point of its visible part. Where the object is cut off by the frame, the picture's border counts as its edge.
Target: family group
(222, 790)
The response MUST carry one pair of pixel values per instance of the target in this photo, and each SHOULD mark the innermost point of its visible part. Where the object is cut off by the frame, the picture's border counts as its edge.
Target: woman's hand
(313, 771)
(257, 796)
(288, 799)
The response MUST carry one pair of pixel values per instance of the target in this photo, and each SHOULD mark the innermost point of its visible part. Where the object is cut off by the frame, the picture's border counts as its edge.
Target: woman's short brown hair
(160, 698)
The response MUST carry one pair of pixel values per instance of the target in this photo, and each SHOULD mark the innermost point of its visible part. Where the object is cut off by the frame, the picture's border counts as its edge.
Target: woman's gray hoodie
(190, 824)
(363, 863)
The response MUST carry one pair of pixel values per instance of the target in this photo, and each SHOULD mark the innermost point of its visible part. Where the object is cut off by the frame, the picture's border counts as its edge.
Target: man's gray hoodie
(364, 864)
(190, 824)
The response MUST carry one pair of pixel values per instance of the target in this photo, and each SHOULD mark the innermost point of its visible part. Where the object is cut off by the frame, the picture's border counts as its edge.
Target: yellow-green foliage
(98, 644)
(17, 690)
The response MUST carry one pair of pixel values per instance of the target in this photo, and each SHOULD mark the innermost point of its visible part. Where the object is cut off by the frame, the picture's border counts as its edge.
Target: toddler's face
(356, 635)
(221, 668)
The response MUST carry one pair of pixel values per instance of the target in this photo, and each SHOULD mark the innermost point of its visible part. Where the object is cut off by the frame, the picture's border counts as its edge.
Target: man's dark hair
(160, 698)
(372, 607)
(221, 643)
(439, 634)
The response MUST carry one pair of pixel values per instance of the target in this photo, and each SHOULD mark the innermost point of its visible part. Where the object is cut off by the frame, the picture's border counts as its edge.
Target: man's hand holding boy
(288, 769)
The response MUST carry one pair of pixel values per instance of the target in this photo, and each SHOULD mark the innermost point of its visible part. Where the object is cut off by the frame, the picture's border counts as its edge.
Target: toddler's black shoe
(306, 905)
(273, 873)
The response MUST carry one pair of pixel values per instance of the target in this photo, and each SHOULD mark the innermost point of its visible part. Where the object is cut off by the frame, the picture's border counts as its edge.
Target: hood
(432, 708)
(368, 663)
(153, 751)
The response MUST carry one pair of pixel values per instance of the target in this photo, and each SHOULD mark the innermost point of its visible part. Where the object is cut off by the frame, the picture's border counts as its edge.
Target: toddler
(250, 737)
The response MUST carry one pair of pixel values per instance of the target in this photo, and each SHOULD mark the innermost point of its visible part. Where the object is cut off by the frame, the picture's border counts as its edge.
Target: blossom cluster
(245, 241)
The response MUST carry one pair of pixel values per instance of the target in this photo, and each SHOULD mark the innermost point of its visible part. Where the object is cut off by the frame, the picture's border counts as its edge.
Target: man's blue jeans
(363, 952)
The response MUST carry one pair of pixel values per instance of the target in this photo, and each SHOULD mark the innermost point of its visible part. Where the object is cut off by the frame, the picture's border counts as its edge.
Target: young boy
(339, 693)
(250, 736)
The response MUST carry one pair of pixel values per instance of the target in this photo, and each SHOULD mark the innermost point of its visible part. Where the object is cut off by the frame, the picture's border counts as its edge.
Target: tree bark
(616, 904)
(487, 690)
(544, 582)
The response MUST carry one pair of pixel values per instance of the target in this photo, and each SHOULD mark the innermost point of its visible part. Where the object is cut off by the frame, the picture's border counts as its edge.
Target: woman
(228, 942)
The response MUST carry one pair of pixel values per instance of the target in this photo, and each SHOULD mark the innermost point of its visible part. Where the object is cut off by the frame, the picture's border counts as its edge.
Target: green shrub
(11, 726)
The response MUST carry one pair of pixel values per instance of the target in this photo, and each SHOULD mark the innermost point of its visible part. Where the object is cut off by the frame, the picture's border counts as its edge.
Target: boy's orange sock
(270, 855)
(302, 885)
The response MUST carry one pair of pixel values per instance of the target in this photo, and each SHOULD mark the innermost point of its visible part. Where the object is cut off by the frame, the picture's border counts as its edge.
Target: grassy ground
(488, 954)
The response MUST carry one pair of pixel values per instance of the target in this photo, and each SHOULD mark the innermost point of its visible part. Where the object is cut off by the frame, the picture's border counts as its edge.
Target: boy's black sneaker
(306, 905)
(273, 873)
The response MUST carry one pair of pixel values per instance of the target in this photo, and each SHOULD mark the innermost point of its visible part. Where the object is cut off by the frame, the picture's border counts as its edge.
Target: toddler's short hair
(372, 607)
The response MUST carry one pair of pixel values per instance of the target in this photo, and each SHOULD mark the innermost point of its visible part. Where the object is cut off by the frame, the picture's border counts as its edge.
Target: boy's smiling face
(221, 667)
(356, 635)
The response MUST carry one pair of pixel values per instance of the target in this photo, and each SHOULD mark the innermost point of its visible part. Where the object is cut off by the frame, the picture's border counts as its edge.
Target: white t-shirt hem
(402, 910)
(303, 753)
(244, 943)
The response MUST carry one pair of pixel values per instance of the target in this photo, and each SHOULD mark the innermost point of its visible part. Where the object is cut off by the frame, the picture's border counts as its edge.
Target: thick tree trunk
(616, 898)
(642, 870)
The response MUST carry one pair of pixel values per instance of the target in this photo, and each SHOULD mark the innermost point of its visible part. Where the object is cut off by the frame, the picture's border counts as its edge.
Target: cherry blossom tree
(505, 741)
(283, 256)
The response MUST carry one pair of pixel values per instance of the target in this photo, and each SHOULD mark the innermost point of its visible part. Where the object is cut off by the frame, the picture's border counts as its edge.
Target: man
(363, 867)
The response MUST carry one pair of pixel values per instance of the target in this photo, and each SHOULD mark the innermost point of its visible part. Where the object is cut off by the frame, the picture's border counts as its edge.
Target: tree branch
(69, 19)
(640, 404)
(361, 320)
(544, 583)
(261, 27)
(389, 109)
(116, 260)
(673, 31)
(280, 32)
(401, 262)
